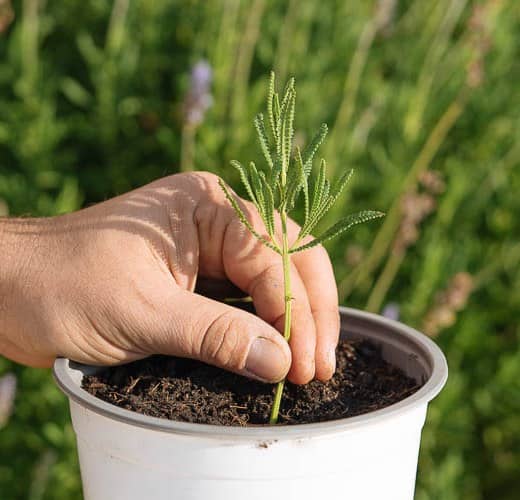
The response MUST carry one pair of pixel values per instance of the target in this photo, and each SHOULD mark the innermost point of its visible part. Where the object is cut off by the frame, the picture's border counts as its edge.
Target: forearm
(21, 268)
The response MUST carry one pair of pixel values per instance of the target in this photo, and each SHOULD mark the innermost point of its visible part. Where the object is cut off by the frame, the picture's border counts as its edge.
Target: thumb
(223, 336)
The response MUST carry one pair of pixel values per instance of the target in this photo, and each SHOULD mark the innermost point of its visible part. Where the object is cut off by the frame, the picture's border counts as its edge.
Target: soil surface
(191, 391)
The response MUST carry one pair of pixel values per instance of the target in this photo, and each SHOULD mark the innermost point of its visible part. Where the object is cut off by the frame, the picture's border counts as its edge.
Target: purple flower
(201, 75)
(391, 311)
(198, 98)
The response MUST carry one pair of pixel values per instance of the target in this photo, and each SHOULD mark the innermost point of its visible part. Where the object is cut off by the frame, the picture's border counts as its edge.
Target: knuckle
(199, 174)
(207, 213)
(201, 185)
(223, 343)
(209, 177)
(271, 276)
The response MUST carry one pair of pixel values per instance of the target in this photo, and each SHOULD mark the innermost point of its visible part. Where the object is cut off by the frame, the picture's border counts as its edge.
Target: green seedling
(288, 182)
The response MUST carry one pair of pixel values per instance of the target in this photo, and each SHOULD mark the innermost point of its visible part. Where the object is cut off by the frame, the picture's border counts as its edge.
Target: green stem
(286, 262)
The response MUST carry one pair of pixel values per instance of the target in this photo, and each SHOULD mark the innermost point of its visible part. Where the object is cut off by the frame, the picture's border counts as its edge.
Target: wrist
(21, 268)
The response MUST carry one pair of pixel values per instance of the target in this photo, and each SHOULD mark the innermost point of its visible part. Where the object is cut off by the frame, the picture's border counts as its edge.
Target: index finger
(316, 272)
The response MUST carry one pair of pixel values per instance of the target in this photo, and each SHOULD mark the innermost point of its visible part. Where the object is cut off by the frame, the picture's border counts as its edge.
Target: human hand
(115, 282)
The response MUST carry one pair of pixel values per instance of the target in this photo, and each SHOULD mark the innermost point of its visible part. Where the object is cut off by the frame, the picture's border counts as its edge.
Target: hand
(115, 282)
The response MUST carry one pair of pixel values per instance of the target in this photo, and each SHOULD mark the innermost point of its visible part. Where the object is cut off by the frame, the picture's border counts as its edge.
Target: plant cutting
(362, 432)
(279, 187)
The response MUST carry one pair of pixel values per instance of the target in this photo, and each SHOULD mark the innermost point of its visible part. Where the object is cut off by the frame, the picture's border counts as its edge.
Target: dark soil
(190, 391)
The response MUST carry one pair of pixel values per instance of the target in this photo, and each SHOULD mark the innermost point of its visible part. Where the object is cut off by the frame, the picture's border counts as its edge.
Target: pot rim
(435, 357)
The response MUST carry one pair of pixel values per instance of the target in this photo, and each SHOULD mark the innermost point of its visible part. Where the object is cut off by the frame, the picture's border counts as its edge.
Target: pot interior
(403, 351)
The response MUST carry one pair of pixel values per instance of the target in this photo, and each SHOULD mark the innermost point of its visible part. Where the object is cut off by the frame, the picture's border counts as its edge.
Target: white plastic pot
(126, 455)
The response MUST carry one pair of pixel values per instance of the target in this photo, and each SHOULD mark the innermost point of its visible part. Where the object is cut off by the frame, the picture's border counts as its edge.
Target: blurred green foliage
(91, 105)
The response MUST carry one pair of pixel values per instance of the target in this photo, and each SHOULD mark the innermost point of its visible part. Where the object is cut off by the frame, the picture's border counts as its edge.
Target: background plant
(92, 100)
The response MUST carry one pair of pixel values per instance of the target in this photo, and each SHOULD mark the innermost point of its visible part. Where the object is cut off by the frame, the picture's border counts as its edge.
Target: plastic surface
(128, 456)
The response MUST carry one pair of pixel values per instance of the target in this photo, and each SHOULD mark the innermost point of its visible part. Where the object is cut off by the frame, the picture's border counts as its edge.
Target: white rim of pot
(430, 351)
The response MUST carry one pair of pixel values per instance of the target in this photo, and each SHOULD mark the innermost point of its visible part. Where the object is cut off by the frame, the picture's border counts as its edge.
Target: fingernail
(266, 361)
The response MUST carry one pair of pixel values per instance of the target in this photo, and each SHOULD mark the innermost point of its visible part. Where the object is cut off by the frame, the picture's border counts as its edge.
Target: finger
(316, 272)
(260, 273)
(223, 336)
(227, 249)
(267, 291)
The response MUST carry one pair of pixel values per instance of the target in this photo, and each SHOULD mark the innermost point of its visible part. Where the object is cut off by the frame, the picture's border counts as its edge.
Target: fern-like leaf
(245, 181)
(341, 226)
(276, 114)
(317, 201)
(326, 203)
(289, 124)
(258, 189)
(312, 148)
(285, 126)
(263, 140)
(339, 186)
(268, 217)
(243, 218)
(305, 185)
(330, 199)
(270, 104)
(296, 182)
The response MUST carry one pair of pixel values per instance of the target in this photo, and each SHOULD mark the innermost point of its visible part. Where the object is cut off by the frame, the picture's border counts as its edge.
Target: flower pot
(126, 455)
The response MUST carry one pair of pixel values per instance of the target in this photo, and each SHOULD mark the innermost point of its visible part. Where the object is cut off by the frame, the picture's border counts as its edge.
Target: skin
(116, 282)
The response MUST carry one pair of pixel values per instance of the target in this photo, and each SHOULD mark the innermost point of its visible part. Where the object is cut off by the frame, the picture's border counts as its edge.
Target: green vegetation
(423, 102)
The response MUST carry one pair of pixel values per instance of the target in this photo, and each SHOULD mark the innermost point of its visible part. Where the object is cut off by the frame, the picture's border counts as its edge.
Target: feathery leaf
(263, 140)
(312, 148)
(305, 184)
(243, 218)
(245, 181)
(270, 113)
(341, 226)
(319, 185)
(339, 185)
(268, 217)
(289, 124)
(276, 113)
(284, 128)
(326, 202)
(296, 182)
(256, 184)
